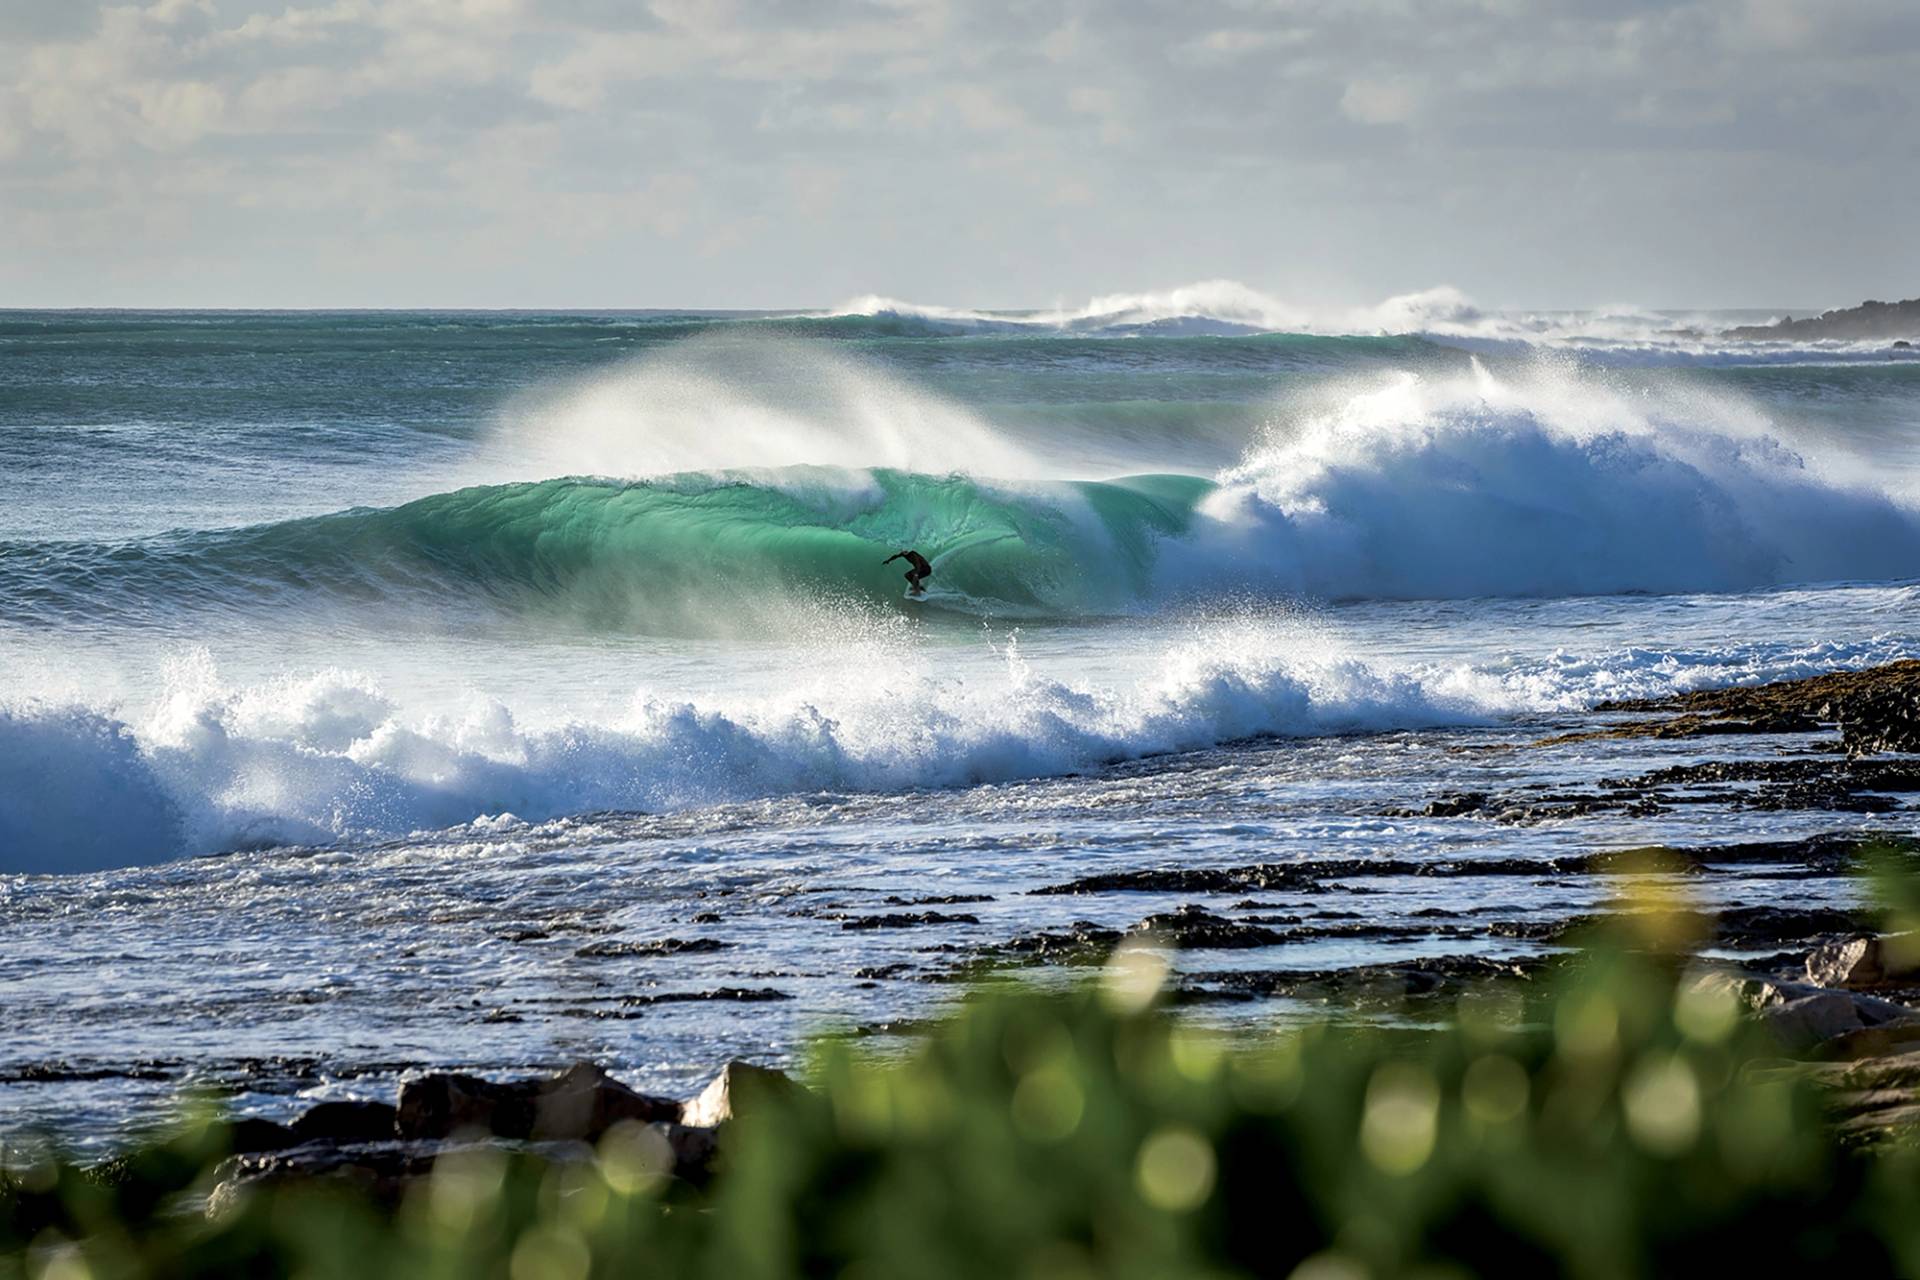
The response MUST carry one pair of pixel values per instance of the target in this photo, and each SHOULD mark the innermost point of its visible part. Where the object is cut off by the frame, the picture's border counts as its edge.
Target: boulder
(382, 1172)
(583, 1102)
(1805, 1015)
(1865, 961)
(250, 1134)
(353, 1121)
(1805, 1022)
(694, 1148)
(739, 1085)
(580, 1103)
(444, 1103)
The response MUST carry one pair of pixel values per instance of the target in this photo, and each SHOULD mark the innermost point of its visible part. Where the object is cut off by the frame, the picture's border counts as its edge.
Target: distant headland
(1865, 322)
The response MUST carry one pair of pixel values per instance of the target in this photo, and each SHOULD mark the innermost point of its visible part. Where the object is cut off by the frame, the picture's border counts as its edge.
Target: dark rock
(1454, 804)
(338, 1122)
(1362, 986)
(898, 969)
(1082, 942)
(749, 995)
(907, 920)
(739, 1088)
(250, 1135)
(1193, 928)
(943, 900)
(661, 947)
(380, 1174)
(581, 1102)
(1869, 321)
(1264, 876)
(1877, 709)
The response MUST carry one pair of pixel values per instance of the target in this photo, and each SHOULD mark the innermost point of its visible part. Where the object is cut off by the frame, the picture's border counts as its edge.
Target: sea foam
(330, 756)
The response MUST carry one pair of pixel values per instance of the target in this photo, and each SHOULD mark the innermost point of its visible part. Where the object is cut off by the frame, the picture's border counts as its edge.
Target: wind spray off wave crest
(722, 403)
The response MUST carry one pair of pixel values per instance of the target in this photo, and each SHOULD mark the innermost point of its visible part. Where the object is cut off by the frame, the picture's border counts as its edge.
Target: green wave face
(668, 554)
(693, 543)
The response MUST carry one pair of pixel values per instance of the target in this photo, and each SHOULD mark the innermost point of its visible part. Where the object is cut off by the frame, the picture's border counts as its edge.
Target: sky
(981, 153)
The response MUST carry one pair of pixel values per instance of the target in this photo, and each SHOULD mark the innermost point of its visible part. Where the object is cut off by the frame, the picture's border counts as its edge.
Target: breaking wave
(330, 757)
(1413, 487)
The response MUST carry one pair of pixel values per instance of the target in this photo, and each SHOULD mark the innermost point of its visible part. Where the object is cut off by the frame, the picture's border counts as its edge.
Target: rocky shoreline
(379, 1149)
(1841, 994)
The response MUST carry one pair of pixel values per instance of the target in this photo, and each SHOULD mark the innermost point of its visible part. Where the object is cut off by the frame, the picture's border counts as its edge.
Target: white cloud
(1377, 102)
(839, 146)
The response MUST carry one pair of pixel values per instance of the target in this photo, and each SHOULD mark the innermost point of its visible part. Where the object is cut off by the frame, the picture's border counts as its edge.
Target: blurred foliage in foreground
(1614, 1122)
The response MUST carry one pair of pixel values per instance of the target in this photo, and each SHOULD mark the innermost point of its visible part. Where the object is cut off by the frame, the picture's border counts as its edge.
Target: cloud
(1008, 150)
(1377, 102)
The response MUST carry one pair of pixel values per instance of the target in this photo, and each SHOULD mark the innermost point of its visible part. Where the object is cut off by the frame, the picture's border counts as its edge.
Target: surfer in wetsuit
(918, 570)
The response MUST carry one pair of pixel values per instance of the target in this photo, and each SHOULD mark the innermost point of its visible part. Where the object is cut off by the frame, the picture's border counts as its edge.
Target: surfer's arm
(895, 556)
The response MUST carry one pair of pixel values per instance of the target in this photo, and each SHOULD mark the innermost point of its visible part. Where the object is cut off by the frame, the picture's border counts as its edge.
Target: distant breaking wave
(1615, 334)
(1450, 487)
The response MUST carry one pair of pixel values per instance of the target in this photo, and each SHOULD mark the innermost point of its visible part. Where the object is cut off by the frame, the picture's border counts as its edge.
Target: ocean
(391, 689)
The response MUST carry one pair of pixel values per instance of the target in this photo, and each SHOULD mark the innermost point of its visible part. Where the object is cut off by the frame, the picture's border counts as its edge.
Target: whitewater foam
(1554, 483)
(330, 756)
(1619, 334)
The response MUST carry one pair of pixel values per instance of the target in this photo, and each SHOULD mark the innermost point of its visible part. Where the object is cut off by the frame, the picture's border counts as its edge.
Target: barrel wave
(659, 555)
(1409, 487)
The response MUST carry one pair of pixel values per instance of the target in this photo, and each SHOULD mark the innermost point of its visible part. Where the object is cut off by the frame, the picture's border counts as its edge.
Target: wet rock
(738, 1088)
(1877, 709)
(250, 1135)
(1453, 804)
(1881, 720)
(745, 995)
(345, 1122)
(1263, 876)
(660, 947)
(1364, 986)
(1082, 942)
(898, 969)
(380, 1173)
(1193, 928)
(942, 900)
(907, 920)
(581, 1102)
(1764, 926)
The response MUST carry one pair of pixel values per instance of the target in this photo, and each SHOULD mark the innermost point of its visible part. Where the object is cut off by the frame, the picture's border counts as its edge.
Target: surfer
(918, 570)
